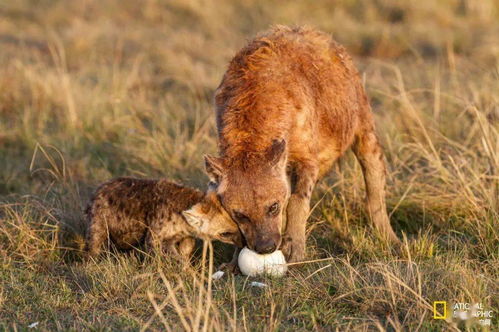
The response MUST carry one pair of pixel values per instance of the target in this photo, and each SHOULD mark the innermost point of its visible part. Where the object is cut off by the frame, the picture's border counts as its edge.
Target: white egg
(252, 264)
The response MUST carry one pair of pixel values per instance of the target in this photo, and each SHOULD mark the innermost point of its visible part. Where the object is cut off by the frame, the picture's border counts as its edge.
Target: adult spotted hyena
(290, 104)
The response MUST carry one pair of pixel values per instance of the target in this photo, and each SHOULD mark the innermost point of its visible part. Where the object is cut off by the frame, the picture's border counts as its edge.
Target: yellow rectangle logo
(442, 305)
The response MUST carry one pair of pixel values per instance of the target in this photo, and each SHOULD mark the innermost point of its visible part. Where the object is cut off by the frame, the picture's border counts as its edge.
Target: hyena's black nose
(265, 246)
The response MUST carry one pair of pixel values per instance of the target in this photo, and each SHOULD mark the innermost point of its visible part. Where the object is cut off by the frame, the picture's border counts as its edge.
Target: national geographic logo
(440, 310)
(476, 312)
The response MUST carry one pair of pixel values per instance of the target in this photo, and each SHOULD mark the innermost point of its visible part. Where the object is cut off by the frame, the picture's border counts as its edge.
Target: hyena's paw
(293, 250)
(230, 267)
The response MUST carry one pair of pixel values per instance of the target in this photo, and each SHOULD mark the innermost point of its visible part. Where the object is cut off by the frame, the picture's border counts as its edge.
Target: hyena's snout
(267, 243)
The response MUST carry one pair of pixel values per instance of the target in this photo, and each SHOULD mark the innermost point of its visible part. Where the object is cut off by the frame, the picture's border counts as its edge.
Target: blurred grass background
(91, 89)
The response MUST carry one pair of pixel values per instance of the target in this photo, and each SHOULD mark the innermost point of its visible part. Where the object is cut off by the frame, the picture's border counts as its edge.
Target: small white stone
(252, 264)
(32, 325)
(217, 275)
(258, 284)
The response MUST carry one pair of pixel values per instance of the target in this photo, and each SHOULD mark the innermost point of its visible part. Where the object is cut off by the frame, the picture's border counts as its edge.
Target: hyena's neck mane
(252, 111)
(259, 94)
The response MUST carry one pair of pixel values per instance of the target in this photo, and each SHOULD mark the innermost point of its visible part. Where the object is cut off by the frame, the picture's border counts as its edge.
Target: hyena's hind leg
(97, 236)
(370, 156)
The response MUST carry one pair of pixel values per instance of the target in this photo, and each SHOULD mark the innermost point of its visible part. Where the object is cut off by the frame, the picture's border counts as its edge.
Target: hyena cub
(163, 214)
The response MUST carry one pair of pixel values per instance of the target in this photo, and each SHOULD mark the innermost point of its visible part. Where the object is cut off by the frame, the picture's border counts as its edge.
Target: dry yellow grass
(95, 89)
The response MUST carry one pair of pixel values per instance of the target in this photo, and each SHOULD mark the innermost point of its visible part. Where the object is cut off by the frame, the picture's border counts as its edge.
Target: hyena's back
(296, 84)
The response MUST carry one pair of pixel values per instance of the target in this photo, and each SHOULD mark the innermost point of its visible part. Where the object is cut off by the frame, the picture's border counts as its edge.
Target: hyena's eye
(226, 234)
(242, 218)
(274, 209)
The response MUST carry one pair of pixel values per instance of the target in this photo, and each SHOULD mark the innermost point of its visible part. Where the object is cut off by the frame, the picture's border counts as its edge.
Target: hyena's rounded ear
(193, 218)
(212, 186)
(276, 152)
(214, 168)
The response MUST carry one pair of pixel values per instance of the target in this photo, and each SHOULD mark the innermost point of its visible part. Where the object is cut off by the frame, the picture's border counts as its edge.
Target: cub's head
(210, 221)
(254, 193)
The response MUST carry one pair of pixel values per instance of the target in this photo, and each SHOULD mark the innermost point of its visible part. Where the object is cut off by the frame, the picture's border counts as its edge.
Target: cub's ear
(214, 168)
(276, 152)
(193, 218)
(212, 186)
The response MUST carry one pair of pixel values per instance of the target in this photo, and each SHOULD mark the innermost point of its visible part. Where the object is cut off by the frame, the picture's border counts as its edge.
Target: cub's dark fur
(130, 211)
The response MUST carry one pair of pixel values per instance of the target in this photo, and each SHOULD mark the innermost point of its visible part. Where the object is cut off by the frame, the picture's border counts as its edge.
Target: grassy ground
(90, 90)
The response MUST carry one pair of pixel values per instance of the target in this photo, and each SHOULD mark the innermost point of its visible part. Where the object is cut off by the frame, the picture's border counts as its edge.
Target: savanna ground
(91, 90)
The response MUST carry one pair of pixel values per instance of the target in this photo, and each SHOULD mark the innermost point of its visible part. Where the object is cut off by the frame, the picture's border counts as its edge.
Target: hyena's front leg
(232, 266)
(186, 247)
(298, 209)
(369, 153)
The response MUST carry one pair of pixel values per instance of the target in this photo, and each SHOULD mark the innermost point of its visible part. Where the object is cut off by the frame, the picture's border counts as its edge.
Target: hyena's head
(210, 221)
(255, 195)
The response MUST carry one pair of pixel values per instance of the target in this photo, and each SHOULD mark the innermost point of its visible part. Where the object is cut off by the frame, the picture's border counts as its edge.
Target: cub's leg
(157, 237)
(156, 244)
(368, 152)
(97, 235)
(186, 247)
(293, 242)
(232, 266)
(179, 250)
